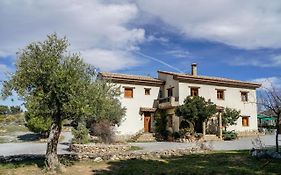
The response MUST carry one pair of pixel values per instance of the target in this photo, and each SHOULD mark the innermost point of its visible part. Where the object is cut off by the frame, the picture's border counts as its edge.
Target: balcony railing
(168, 102)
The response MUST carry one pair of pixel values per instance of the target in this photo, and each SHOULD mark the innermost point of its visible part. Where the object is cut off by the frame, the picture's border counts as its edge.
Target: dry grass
(230, 162)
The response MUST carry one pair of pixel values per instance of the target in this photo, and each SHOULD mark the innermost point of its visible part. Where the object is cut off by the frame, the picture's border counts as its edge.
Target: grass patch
(2, 140)
(219, 162)
(135, 148)
(8, 129)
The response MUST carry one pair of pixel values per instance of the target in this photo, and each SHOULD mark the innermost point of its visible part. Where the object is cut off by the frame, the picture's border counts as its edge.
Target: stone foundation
(98, 148)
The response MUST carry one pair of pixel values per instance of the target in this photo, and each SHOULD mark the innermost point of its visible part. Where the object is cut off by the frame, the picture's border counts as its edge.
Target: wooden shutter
(245, 121)
(128, 93)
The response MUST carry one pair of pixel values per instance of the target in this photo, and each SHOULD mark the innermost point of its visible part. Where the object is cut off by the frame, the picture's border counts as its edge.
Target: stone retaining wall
(135, 155)
(108, 156)
(98, 148)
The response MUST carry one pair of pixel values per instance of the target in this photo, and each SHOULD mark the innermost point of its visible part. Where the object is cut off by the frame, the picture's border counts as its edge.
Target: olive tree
(230, 117)
(196, 110)
(54, 84)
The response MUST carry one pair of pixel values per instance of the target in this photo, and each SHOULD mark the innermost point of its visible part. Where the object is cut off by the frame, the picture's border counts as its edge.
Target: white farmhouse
(143, 95)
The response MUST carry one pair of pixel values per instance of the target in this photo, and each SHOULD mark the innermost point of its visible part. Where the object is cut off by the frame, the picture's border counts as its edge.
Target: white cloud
(248, 24)
(268, 83)
(271, 61)
(109, 60)
(89, 25)
(179, 53)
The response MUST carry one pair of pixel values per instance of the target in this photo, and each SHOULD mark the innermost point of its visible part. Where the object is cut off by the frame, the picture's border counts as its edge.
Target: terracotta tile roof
(126, 78)
(211, 80)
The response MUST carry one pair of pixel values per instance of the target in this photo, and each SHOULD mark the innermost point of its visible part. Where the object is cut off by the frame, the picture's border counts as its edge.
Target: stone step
(146, 137)
(211, 137)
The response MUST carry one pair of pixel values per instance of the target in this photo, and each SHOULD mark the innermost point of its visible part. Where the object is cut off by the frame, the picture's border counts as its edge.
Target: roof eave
(217, 82)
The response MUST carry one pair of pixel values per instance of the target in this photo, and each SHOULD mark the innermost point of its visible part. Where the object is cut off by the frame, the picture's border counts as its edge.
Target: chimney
(194, 69)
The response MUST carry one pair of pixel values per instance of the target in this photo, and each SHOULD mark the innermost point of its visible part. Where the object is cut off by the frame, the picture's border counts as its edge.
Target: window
(194, 91)
(170, 121)
(147, 91)
(220, 94)
(170, 92)
(128, 93)
(160, 94)
(244, 96)
(245, 121)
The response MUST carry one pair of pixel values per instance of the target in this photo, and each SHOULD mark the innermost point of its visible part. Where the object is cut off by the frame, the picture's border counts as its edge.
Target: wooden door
(147, 121)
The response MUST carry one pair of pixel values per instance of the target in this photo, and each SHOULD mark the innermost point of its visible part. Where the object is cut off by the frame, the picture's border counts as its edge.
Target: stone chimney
(194, 69)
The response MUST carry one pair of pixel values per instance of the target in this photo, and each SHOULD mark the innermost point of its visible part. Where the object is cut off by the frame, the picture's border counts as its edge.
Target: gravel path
(240, 144)
(8, 149)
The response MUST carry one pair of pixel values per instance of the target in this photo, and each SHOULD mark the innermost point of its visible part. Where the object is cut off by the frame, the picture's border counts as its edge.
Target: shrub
(161, 124)
(176, 135)
(38, 124)
(80, 134)
(104, 130)
(229, 135)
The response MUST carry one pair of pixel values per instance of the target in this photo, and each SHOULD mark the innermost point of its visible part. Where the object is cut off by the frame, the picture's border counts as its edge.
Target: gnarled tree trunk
(51, 153)
(277, 133)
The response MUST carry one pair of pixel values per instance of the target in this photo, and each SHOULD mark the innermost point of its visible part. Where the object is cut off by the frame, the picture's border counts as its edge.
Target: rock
(98, 159)
(114, 157)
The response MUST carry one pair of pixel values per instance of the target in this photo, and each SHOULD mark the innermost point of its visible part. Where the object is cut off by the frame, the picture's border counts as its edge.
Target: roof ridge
(207, 77)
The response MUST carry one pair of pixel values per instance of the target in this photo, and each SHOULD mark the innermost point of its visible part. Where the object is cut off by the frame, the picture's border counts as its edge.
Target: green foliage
(4, 110)
(161, 123)
(57, 85)
(196, 110)
(38, 124)
(229, 117)
(105, 105)
(229, 135)
(81, 134)
(15, 110)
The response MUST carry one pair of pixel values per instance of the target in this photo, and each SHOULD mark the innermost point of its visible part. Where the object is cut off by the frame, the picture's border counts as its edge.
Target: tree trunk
(277, 133)
(51, 153)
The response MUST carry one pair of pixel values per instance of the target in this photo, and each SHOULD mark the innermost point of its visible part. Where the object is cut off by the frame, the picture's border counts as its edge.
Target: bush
(81, 134)
(104, 130)
(161, 124)
(176, 135)
(229, 135)
(38, 124)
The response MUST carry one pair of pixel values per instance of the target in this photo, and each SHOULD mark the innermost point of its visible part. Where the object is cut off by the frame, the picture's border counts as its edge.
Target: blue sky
(235, 39)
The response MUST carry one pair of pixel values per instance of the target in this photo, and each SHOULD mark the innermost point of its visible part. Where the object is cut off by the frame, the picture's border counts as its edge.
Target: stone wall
(135, 155)
(107, 156)
(98, 148)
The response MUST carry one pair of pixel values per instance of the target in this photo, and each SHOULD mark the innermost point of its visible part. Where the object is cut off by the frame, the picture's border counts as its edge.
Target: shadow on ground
(214, 163)
(22, 160)
(29, 137)
(30, 159)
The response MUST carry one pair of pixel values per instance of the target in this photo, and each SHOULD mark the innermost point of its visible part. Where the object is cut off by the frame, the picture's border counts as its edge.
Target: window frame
(222, 91)
(194, 88)
(132, 93)
(147, 90)
(244, 94)
(247, 121)
(170, 90)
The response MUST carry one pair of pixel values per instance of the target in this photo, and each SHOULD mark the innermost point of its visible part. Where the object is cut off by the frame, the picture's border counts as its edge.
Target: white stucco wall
(170, 82)
(232, 100)
(133, 121)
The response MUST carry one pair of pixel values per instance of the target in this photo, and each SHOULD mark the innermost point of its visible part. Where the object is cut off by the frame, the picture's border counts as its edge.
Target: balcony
(168, 102)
